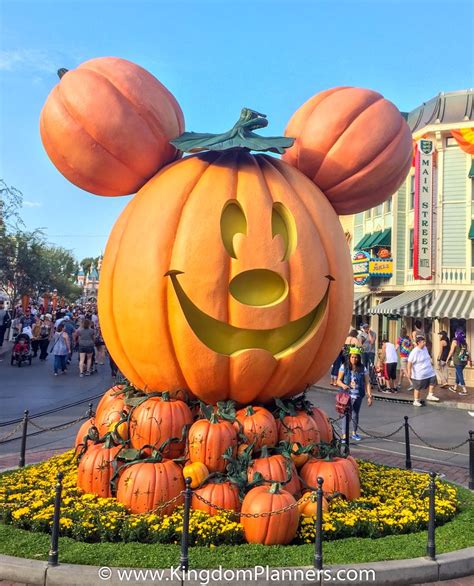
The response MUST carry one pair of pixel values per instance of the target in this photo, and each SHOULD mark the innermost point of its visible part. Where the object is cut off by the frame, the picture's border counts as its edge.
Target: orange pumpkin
(107, 125)
(158, 419)
(275, 468)
(354, 144)
(95, 469)
(300, 428)
(223, 494)
(246, 264)
(298, 459)
(339, 474)
(209, 439)
(258, 425)
(197, 471)
(308, 506)
(145, 485)
(277, 529)
(82, 432)
(109, 409)
(326, 432)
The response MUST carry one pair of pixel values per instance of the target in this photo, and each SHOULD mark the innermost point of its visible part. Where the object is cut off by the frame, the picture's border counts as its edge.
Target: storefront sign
(360, 267)
(423, 210)
(381, 268)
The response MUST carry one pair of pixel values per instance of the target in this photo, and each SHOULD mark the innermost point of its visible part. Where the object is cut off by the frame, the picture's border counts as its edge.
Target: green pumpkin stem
(250, 411)
(275, 488)
(62, 72)
(241, 135)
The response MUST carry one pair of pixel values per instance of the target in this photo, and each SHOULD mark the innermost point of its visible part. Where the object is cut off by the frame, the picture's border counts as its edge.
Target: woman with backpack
(459, 354)
(354, 379)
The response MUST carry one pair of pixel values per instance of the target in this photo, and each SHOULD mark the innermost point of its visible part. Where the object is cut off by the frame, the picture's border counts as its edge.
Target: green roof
(363, 243)
(471, 231)
(385, 238)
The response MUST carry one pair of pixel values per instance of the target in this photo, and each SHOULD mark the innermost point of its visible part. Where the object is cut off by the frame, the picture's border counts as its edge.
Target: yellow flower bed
(391, 502)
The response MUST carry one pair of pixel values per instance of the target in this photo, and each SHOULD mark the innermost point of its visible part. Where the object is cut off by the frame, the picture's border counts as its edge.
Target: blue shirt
(355, 381)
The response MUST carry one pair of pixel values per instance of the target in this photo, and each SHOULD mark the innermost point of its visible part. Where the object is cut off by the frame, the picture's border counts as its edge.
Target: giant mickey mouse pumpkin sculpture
(242, 282)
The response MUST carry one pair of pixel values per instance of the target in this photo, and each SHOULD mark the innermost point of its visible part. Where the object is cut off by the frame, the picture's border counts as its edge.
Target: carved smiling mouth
(224, 338)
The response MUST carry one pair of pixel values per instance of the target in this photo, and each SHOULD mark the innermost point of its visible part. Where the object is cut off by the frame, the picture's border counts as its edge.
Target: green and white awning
(452, 304)
(361, 304)
(380, 238)
(408, 304)
(471, 231)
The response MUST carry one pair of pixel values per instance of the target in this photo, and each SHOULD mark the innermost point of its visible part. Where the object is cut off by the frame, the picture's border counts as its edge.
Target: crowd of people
(58, 333)
(359, 366)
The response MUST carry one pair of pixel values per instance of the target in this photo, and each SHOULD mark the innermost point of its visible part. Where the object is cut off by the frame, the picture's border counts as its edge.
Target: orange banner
(465, 139)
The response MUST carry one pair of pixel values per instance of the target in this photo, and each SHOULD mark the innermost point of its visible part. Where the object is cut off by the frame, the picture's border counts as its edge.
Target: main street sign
(423, 226)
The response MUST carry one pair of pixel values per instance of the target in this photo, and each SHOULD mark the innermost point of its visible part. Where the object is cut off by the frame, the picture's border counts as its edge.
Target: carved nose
(258, 287)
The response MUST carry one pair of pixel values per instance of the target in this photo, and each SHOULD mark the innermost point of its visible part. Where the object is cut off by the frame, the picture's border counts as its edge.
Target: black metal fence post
(471, 460)
(318, 542)
(21, 463)
(347, 422)
(407, 444)
(431, 546)
(90, 413)
(53, 552)
(184, 559)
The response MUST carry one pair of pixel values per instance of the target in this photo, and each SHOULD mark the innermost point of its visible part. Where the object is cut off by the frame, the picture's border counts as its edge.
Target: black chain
(450, 449)
(377, 436)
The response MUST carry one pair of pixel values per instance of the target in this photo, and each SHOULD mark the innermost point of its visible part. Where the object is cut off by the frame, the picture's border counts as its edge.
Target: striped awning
(408, 304)
(471, 231)
(452, 304)
(361, 304)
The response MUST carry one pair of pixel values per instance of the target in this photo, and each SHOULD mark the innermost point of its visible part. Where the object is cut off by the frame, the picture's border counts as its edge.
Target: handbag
(343, 402)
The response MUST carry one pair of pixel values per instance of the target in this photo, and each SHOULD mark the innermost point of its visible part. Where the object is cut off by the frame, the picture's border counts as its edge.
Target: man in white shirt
(421, 371)
(391, 361)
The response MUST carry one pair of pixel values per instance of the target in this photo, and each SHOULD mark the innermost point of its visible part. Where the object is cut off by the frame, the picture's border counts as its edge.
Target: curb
(447, 566)
(388, 399)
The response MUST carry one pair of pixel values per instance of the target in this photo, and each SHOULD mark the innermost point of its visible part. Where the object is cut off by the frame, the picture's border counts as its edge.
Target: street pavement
(36, 389)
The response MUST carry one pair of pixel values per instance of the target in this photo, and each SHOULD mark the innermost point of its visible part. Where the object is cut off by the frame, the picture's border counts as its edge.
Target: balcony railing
(449, 276)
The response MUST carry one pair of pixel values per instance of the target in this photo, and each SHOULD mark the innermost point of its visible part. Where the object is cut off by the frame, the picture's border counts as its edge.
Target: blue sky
(216, 57)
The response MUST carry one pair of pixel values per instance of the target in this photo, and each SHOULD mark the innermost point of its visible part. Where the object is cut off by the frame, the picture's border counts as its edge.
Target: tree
(28, 264)
(86, 263)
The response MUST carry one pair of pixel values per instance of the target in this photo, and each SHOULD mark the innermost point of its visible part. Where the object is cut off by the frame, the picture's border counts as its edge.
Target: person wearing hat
(421, 371)
(354, 378)
(443, 359)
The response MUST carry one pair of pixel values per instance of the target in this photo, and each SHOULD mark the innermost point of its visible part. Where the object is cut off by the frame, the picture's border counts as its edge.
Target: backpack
(343, 402)
(463, 354)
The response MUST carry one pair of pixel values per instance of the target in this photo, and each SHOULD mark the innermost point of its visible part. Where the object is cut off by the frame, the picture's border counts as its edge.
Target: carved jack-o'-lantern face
(227, 274)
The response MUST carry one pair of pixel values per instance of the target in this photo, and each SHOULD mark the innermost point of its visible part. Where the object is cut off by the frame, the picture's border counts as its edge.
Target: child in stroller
(21, 350)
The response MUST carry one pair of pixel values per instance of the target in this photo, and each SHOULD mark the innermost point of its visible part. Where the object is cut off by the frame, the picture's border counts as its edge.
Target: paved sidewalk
(447, 397)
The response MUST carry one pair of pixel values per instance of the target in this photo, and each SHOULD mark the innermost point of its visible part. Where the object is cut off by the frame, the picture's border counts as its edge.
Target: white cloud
(30, 59)
(32, 204)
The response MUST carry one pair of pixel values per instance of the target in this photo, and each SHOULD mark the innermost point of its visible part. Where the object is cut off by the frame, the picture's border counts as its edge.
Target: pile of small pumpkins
(256, 461)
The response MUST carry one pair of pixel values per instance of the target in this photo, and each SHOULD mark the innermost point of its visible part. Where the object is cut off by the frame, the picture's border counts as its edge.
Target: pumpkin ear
(107, 125)
(353, 144)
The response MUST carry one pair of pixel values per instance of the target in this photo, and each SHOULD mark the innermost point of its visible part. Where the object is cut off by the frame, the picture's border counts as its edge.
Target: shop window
(411, 249)
(388, 205)
(368, 214)
(454, 324)
(412, 192)
(451, 142)
(378, 210)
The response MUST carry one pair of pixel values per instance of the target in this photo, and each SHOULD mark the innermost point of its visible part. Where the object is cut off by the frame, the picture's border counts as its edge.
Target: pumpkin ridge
(389, 177)
(297, 141)
(110, 281)
(341, 137)
(235, 169)
(165, 309)
(286, 171)
(141, 180)
(134, 107)
(59, 154)
(291, 187)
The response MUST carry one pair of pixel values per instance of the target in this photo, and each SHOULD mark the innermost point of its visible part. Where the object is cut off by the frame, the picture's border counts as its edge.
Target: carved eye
(233, 222)
(283, 223)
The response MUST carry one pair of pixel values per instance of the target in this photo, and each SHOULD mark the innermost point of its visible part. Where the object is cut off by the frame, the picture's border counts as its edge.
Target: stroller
(21, 350)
